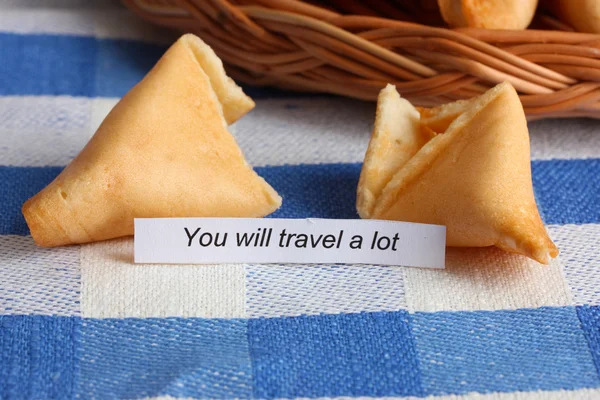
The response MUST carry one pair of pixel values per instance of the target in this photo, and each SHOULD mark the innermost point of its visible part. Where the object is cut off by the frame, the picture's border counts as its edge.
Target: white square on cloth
(294, 289)
(486, 279)
(114, 287)
(579, 246)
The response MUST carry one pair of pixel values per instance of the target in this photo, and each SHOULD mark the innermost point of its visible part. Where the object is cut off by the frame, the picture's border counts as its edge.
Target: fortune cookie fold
(465, 165)
(163, 151)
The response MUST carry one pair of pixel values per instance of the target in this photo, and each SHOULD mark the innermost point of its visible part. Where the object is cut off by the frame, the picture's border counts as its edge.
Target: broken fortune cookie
(163, 151)
(465, 165)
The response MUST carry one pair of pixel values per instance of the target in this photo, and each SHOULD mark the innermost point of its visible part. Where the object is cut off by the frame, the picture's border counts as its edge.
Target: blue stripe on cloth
(314, 190)
(82, 66)
(366, 354)
(70, 65)
(503, 351)
(590, 321)
(47, 65)
(567, 191)
(37, 356)
(133, 358)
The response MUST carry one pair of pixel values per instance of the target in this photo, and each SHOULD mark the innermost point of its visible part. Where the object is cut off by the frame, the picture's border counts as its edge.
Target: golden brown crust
(439, 118)
(163, 151)
(396, 137)
(234, 101)
(488, 14)
(474, 178)
(583, 15)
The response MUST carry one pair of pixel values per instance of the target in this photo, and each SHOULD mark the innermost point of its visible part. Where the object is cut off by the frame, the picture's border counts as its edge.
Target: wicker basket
(299, 45)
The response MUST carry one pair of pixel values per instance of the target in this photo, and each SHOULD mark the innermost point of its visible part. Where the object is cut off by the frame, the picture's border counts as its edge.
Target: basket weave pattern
(296, 45)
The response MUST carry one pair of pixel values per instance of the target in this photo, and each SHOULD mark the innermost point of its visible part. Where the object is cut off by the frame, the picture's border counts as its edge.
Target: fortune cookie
(163, 151)
(465, 165)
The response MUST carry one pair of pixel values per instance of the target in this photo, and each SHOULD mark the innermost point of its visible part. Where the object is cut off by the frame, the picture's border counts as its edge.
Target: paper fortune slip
(301, 241)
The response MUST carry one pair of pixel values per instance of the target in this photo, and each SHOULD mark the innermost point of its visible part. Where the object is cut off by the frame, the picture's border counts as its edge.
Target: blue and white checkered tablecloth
(85, 322)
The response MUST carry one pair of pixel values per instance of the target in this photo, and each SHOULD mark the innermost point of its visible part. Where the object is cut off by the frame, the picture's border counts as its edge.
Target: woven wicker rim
(299, 46)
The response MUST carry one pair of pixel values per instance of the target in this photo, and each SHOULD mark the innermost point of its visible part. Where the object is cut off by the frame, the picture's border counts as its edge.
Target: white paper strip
(305, 241)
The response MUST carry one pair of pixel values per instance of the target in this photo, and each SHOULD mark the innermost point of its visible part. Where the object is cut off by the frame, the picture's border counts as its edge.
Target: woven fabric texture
(83, 322)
